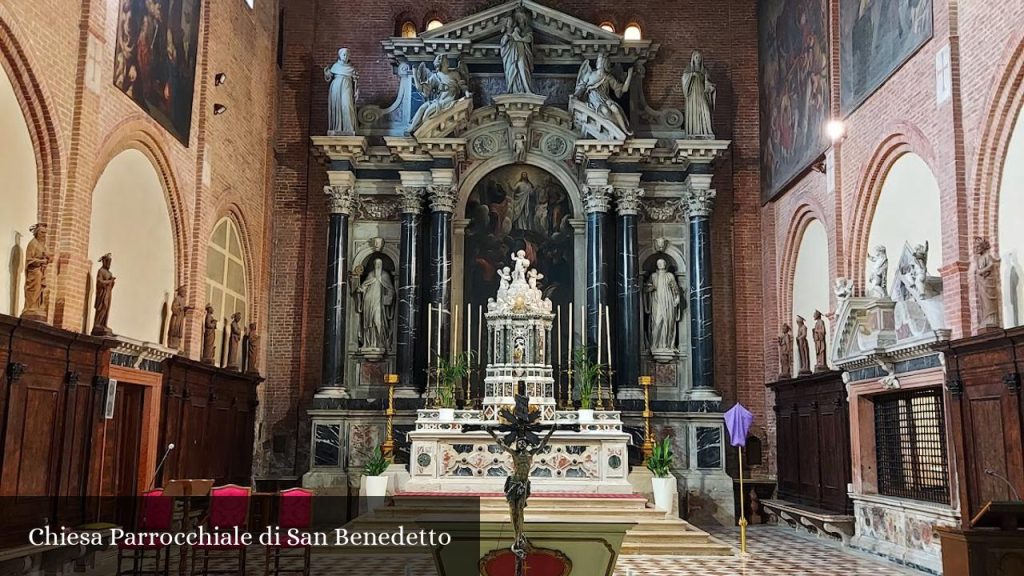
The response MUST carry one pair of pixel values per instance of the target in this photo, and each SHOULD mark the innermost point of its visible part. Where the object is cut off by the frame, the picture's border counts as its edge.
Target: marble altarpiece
(573, 167)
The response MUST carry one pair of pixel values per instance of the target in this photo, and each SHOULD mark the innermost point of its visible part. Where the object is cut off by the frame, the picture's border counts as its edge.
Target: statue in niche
(252, 350)
(821, 363)
(878, 284)
(596, 87)
(786, 352)
(375, 302)
(986, 284)
(663, 306)
(803, 349)
(519, 148)
(209, 336)
(341, 101)
(104, 291)
(517, 52)
(700, 97)
(235, 342)
(37, 259)
(176, 328)
(441, 89)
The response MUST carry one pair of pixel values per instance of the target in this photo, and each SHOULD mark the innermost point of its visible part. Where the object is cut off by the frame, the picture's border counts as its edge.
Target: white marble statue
(519, 290)
(663, 305)
(517, 53)
(375, 302)
(878, 283)
(700, 97)
(843, 288)
(441, 88)
(596, 87)
(341, 101)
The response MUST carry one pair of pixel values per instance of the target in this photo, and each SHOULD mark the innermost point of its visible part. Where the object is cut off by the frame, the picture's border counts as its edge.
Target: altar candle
(479, 334)
(455, 328)
(583, 325)
(430, 332)
(559, 316)
(571, 328)
(469, 328)
(608, 328)
(440, 321)
(599, 324)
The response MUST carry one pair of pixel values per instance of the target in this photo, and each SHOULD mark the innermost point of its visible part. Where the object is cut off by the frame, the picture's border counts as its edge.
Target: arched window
(632, 32)
(408, 29)
(225, 274)
(434, 23)
(608, 26)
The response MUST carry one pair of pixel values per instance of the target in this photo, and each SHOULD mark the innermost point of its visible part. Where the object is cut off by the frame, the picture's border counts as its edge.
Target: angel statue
(441, 88)
(595, 86)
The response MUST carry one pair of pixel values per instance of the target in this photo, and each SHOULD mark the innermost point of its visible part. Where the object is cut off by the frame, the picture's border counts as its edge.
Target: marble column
(627, 290)
(442, 205)
(596, 203)
(699, 202)
(408, 289)
(341, 200)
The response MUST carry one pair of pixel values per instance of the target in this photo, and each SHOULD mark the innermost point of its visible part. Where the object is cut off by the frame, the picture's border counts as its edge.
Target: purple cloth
(737, 421)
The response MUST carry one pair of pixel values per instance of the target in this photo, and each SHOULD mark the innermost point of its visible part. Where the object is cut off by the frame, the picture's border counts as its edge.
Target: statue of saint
(663, 308)
(786, 352)
(375, 299)
(252, 350)
(517, 53)
(803, 349)
(700, 97)
(37, 259)
(235, 342)
(341, 101)
(176, 329)
(986, 284)
(821, 362)
(441, 89)
(878, 283)
(104, 290)
(209, 337)
(597, 86)
(521, 265)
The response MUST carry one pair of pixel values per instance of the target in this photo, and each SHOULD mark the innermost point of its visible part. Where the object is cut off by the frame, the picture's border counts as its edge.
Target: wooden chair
(295, 511)
(229, 508)
(156, 515)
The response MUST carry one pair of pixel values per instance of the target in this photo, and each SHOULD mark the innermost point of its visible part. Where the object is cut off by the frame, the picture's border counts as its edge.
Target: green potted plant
(586, 375)
(663, 483)
(449, 372)
(373, 471)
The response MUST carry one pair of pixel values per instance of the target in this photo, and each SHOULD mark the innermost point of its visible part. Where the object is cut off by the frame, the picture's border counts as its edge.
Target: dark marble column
(442, 205)
(627, 291)
(596, 203)
(341, 200)
(700, 200)
(409, 289)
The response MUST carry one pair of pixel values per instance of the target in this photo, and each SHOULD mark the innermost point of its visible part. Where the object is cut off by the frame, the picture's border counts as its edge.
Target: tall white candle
(559, 319)
(469, 328)
(583, 325)
(599, 335)
(430, 333)
(440, 321)
(571, 329)
(608, 334)
(455, 328)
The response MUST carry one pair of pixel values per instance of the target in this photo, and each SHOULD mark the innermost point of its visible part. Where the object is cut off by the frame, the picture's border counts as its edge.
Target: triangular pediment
(547, 21)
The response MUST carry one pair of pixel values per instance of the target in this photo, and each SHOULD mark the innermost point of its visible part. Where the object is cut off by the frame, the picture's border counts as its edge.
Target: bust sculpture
(209, 336)
(986, 284)
(341, 101)
(37, 259)
(663, 306)
(517, 52)
(597, 87)
(176, 327)
(700, 97)
(878, 283)
(235, 342)
(104, 291)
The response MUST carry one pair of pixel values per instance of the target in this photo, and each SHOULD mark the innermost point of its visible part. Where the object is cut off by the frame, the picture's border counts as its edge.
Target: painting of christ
(155, 59)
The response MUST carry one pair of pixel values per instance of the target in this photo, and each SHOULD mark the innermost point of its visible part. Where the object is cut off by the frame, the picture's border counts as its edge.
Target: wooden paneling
(813, 441)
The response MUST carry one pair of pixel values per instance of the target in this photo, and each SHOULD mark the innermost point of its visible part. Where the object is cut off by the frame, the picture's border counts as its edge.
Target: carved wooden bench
(815, 520)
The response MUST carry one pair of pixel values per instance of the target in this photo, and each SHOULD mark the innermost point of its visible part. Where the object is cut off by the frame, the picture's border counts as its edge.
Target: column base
(406, 393)
(332, 392)
(630, 393)
(705, 394)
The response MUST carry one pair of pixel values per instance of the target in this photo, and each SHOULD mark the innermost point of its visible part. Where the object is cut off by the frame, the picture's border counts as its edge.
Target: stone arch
(234, 212)
(810, 286)
(803, 217)
(480, 170)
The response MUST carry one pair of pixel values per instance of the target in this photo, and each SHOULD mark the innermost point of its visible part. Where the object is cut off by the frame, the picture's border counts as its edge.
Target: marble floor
(772, 551)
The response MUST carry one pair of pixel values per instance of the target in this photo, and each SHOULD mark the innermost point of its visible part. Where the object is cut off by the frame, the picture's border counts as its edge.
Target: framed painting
(795, 101)
(155, 59)
(878, 36)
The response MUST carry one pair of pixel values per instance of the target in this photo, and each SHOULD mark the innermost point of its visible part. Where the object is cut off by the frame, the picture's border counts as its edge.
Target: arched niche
(226, 285)
(811, 290)
(908, 211)
(674, 265)
(20, 197)
(1011, 233)
(131, 221)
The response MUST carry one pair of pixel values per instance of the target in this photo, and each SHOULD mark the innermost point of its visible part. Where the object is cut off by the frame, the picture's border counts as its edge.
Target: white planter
(664, 492)
(377, 486)
(586, 415)
(446, 414)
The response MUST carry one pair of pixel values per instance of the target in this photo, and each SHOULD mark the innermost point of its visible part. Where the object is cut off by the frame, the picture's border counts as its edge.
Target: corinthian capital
(411, 198)
(700, 202)
(442, 197)
(341, 199)
(596, 198)
(627, 200)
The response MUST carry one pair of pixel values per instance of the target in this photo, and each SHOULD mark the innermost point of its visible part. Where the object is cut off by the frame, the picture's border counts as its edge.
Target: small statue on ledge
(209, 336)
(700, 97)
(341, 101)
(986, 284)
(104, 291)
(878, 279)
(441, 89)
(234, 342)
(802, 347)
(821, 363)
(37, 259)
(252, 350)
(786, 352)
(597, 87)
(176, 328)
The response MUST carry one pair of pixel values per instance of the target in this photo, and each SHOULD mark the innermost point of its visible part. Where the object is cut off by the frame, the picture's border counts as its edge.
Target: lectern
(994, 543)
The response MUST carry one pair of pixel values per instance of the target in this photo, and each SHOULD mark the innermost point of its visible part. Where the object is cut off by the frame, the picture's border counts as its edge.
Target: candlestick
(479, 348)
(388, 447)
(645, 382)
(583, 325)
(608, 335)
(568, 373)
(599, 311)
(558, 387)
(430, 335)
(455, 328)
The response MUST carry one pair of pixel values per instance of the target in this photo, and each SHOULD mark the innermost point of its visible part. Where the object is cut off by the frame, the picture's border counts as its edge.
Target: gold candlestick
(645, 382)
(388, 447)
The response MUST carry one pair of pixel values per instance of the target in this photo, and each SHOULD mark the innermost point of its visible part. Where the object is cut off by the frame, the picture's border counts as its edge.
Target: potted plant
(660, 464)
(586, 375)
(449, 372)
(373, 471)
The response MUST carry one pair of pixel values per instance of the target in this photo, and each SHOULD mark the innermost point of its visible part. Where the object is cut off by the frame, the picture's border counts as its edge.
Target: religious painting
(878, 36)
(794, 59)
(155, 59)
(515, 208)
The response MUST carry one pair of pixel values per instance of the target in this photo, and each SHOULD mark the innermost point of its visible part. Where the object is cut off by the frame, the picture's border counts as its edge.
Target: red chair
(295, 511)
(156, 515)
(229, 508)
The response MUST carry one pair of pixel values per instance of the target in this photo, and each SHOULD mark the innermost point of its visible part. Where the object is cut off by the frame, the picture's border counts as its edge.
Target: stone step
(676, 549)
(562, 502)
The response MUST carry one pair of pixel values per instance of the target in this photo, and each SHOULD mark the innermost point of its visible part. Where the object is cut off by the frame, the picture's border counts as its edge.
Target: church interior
(651, 287)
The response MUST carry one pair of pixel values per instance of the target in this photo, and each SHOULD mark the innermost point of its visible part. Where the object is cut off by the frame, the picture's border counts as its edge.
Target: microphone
(167, 453)
(1013, 490)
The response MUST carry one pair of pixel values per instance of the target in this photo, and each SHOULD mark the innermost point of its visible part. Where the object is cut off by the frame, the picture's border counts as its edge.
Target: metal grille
(910, 444)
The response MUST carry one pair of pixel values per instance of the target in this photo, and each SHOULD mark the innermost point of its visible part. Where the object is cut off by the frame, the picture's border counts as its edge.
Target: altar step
(654, 534)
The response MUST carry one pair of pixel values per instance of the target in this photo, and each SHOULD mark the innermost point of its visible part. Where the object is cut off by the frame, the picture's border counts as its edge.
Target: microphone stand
(156, 473)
